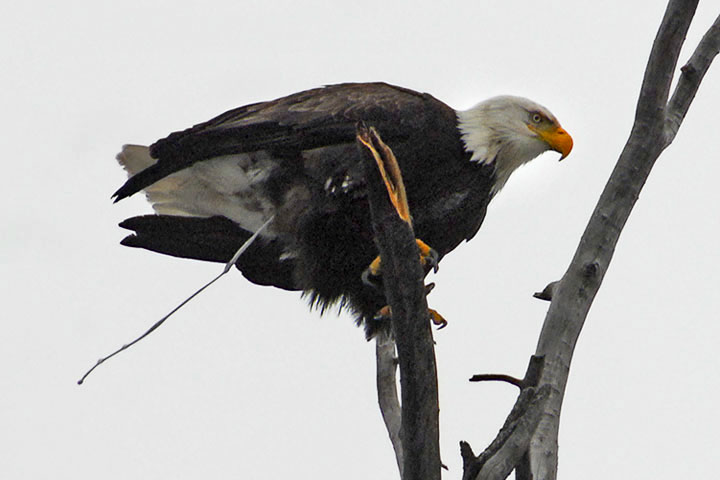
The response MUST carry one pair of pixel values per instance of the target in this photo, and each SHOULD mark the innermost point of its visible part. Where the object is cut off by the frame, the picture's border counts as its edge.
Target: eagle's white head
(508, 132)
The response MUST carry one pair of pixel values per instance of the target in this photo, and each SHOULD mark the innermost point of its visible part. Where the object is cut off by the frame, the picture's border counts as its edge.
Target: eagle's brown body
(295, 160)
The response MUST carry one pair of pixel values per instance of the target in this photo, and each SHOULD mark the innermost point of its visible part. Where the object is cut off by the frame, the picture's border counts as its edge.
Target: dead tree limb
(512, 442)
(509, 448)
(403, 278)
(657, 121)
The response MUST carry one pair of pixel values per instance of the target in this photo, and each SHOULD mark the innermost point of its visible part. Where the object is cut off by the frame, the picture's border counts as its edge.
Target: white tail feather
(218, 186)
(134, 158)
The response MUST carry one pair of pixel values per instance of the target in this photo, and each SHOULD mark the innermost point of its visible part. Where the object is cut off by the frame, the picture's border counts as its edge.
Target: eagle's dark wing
(292, 165)
(304, 121)
(295, 160)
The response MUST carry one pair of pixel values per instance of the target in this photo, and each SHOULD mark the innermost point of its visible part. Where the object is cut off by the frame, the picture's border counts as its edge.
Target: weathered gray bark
(657, 121)
(509, 449)
(387, 393)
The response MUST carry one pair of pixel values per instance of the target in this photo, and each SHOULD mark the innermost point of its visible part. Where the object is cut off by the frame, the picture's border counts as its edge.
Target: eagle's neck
(499, 137)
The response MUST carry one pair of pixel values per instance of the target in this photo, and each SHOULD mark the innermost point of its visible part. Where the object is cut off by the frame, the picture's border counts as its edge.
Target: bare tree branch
(509, 448)
(573, 295)
(692, 74)
(520, 427)
(657, 121)
(403, 278)
(387, 393)
(511, 442)
(497, 377)
(658, 77)
(532, 375)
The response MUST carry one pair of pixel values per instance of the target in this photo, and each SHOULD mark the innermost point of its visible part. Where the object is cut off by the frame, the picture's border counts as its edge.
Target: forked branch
(657, 121)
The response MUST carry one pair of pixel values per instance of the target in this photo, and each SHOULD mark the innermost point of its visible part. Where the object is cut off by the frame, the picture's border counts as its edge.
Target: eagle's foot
(385, 314)
(437, 319)
(371, 275)
(429, 259)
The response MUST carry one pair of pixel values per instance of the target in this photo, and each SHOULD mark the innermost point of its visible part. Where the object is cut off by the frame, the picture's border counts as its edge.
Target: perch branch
(403, 279)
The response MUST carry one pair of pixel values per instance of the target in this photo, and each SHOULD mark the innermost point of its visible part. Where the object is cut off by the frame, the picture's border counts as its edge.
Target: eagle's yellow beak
(555, 136)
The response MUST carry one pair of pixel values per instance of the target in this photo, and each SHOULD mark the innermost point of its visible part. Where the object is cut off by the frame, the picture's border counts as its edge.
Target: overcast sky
(246, 381)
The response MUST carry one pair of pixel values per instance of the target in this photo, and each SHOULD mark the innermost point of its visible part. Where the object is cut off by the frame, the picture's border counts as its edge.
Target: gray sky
(246, 382)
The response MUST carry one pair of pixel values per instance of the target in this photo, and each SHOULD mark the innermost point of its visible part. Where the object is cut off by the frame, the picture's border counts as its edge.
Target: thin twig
(497, 377)
(157, 324)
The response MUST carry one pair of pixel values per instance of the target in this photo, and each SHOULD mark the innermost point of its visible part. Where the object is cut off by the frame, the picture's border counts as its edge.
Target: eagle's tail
(168, 195)
(221, 186)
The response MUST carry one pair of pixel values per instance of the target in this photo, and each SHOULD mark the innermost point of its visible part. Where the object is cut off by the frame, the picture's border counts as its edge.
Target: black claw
(369, 279)
(380, 316)
(433, 260)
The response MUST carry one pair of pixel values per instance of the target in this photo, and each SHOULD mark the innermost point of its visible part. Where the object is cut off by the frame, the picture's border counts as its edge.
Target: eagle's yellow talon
(375, 267)
(383, 314)
(372, 272)
(437, 319)
(429, 258)
(428, 255)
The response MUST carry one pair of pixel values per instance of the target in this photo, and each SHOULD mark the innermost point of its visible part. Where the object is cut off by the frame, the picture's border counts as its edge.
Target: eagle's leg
(392, 178)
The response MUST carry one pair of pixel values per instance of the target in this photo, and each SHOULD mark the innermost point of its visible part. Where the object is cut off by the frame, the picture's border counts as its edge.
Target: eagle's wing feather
(213, 239)
(304, 121)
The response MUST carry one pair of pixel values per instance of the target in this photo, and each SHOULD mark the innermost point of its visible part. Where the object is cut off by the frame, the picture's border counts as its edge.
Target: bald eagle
(294, 160)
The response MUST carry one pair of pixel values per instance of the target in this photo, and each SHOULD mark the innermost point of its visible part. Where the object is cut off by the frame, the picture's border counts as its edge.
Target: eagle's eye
(536, 118)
